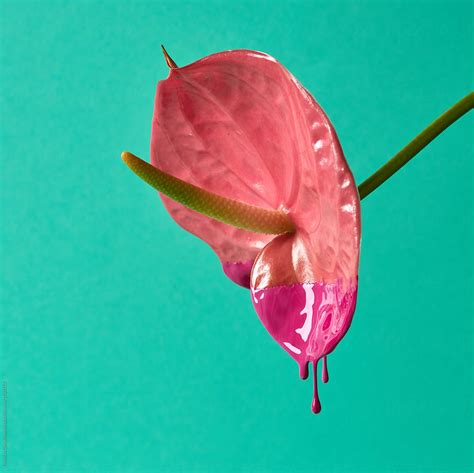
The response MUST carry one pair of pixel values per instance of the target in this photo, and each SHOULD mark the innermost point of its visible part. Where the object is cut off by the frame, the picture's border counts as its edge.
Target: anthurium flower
(245, 159)
(237, 129)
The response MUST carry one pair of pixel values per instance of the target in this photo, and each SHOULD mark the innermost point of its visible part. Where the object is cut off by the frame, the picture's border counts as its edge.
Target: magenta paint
(307, 320)
(316, 404)
(239, 272)
(304, 371)
(325, 373)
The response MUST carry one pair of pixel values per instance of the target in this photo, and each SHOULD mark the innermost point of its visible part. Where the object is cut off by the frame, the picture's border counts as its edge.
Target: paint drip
(325, 373)
(308, 321)
(316, 404)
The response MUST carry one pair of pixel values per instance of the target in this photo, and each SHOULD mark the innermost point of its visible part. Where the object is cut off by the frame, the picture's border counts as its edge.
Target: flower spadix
(222, 209)
(246, 160)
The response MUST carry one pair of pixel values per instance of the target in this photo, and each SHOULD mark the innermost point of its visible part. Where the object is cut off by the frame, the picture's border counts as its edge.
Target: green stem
(274, 222)
(415, 146)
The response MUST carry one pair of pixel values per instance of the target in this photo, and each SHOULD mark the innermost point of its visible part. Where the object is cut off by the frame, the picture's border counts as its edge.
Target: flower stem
(415, 146)
(270, 221)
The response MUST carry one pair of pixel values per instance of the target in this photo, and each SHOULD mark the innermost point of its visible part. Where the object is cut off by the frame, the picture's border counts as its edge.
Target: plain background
(124, 346)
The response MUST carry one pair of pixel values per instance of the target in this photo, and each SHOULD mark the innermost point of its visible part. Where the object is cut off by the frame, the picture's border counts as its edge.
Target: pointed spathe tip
(168, 59)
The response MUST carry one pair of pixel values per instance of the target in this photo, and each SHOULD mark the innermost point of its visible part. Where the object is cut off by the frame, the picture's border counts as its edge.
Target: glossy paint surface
(307, 320)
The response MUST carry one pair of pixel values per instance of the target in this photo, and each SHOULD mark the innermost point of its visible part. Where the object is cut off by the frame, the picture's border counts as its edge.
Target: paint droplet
(325, 373)
(316, 404)
(304, 370)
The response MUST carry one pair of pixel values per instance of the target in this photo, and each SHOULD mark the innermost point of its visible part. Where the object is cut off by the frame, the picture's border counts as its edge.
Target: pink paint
(307, 320)
(304, 373)
(325, 374)
(239, 272)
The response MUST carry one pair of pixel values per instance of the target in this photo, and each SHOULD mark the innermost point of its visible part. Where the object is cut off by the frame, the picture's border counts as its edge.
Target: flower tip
(133, 162)
(169, 61)
(126, 157)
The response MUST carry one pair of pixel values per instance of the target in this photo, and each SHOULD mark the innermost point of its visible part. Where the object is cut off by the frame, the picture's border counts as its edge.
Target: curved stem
(415, 146)
(274, 222)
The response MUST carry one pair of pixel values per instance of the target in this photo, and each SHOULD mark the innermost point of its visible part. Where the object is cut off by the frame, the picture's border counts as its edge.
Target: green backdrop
(125, 348)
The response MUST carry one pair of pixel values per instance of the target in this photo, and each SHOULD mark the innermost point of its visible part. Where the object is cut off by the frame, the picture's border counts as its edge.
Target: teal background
(124, 346)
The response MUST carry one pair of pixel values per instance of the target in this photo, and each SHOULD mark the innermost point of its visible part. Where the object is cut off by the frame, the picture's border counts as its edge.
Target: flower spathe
(238, 124)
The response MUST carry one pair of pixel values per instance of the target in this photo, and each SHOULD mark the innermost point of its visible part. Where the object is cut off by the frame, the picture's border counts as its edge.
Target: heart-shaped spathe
(238, 124)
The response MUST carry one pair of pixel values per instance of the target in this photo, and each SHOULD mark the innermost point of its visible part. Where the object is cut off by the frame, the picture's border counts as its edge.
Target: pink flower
(239, 125)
